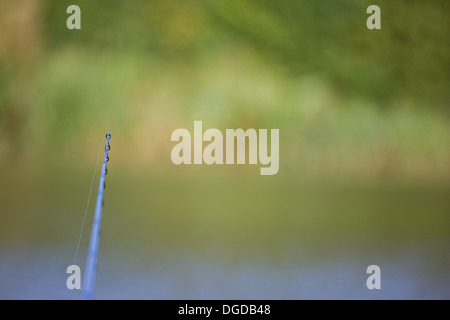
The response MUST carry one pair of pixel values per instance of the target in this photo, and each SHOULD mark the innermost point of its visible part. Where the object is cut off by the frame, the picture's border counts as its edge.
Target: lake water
(226, 237)
(41, 275)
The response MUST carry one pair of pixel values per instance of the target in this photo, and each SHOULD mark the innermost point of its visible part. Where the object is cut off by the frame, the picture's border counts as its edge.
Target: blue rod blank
(92, 258)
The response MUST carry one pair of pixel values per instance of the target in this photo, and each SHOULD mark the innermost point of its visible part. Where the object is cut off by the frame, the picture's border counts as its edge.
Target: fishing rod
(92, 258)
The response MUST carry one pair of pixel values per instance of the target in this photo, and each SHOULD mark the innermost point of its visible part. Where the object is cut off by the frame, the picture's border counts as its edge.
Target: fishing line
(87, 206)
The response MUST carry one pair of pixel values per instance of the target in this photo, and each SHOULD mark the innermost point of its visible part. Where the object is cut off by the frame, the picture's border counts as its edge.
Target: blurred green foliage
(338, 90)
(407, 58)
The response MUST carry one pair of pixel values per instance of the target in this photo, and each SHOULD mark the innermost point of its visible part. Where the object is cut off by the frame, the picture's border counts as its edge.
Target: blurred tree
(20, 41)
(408, 58)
